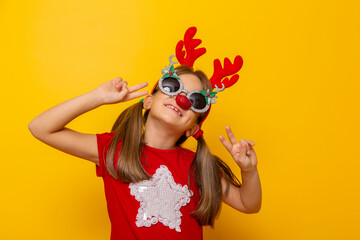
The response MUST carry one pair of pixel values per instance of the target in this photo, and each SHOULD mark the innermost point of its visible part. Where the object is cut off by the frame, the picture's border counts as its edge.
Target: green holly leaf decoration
(175, 76)
(208, 100)
(203, 93)
(208, 95)
(212, 94)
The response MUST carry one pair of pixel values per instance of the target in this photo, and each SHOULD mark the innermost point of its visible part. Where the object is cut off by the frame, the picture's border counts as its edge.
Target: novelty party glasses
(196, 100)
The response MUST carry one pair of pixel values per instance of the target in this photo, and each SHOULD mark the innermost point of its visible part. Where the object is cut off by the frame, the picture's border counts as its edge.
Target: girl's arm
(49, 126)
(247, 198)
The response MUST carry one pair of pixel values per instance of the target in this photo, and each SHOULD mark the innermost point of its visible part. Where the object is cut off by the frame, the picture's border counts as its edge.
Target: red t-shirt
(158, 208)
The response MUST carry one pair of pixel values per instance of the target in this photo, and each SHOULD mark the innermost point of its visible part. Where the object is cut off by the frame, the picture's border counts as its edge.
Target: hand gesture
(116, 91)
(242, 152)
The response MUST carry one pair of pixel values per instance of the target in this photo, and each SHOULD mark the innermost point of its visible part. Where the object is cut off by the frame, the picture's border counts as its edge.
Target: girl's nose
(183, 102)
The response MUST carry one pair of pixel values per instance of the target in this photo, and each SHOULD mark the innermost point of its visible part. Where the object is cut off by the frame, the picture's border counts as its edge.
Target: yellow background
(297, 99)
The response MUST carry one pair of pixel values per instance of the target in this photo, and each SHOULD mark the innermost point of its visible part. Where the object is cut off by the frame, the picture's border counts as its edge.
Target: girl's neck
(159, 137)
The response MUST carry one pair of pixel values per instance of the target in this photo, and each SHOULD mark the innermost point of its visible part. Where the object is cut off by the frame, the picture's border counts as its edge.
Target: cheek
(193, 117)
(158, 97)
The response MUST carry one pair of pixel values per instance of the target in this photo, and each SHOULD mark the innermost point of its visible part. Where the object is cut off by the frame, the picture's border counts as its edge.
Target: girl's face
(164, 108)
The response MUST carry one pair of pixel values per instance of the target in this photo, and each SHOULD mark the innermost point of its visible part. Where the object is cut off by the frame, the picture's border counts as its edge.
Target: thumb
(123, 91)
(244, 147)
(117, 83)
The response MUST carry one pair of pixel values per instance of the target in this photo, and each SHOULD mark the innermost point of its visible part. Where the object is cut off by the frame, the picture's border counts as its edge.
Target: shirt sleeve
(103, 142)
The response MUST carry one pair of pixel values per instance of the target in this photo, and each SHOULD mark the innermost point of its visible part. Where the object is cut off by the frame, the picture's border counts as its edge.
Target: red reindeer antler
(190, 44)
(228, 70)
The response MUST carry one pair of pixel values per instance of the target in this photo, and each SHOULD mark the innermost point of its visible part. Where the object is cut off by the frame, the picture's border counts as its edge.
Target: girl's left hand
(242, 152)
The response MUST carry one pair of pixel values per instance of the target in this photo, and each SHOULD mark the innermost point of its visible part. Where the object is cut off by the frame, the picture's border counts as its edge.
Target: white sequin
(160, 199)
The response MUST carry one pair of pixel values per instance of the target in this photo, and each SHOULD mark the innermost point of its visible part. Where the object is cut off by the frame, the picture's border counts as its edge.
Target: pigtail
(129, 129)
(207, 172)
(206, 175)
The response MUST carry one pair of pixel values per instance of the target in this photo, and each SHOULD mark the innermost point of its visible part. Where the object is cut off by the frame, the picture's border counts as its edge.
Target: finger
(251, 142)
(120, 85)
(123, 91)
(116, 81)
(245, 143)
(226, 144)
(230, 135)
(137, 87)
(136, 95)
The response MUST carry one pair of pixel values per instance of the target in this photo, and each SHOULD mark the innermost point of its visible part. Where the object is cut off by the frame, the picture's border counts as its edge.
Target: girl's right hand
(116, 91)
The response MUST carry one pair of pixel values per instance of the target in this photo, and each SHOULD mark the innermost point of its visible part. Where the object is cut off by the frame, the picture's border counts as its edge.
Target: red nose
(183, 102)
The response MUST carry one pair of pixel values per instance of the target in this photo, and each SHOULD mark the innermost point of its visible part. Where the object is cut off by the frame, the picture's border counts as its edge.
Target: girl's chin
(172, 122)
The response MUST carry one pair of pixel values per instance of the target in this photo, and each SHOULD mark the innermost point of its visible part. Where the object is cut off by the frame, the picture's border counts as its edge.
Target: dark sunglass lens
(198, 100)
(170, 84)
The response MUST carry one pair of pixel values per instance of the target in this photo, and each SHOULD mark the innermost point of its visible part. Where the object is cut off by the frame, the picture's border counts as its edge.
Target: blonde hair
(207, 168)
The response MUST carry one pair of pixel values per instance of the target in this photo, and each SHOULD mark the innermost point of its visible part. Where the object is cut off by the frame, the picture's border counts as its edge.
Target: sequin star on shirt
(160, 199)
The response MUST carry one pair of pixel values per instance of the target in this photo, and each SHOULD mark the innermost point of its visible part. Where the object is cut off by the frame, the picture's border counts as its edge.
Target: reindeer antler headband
(187, 53)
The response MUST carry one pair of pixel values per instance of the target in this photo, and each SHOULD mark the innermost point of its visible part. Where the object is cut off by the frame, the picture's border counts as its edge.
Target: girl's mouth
(174, 108)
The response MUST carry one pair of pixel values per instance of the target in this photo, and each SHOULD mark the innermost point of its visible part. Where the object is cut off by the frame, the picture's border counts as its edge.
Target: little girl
(154, 188)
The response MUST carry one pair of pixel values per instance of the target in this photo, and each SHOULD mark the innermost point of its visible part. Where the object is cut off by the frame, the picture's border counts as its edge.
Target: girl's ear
(147, 102)
(192, 130)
